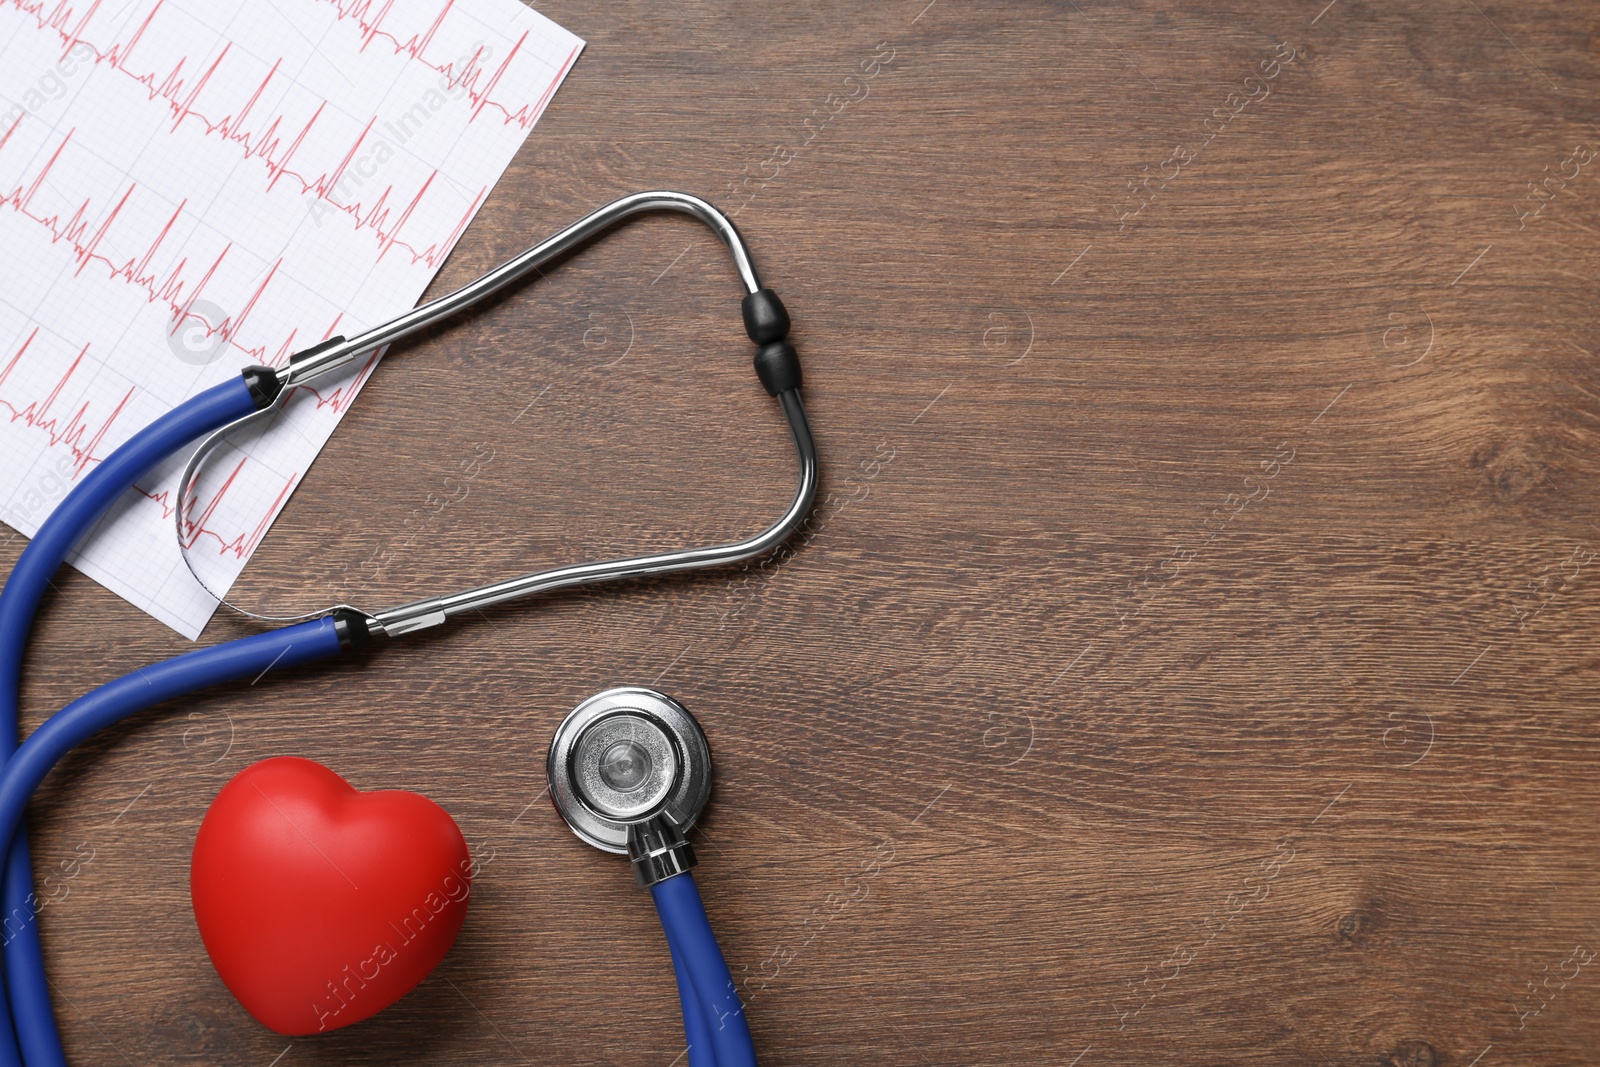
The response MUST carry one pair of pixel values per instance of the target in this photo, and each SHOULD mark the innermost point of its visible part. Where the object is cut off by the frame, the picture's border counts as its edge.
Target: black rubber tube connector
(765, 318)
(778, 367)
(263, 385)
(353, 630)
(263, 382)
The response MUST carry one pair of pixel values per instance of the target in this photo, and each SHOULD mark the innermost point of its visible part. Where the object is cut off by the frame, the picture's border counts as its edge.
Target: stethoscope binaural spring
(642, 766)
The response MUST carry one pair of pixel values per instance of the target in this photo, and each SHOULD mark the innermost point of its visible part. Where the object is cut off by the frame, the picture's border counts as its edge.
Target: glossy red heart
(321, 905)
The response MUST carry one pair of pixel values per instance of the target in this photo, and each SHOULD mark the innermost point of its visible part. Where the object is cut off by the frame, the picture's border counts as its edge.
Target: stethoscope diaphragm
(623, 758)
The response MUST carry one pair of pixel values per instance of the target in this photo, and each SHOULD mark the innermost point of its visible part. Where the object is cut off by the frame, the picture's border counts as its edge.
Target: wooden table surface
(1190, 659)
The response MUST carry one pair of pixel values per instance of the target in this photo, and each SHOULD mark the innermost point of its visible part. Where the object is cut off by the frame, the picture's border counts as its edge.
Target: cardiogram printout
(188, 187)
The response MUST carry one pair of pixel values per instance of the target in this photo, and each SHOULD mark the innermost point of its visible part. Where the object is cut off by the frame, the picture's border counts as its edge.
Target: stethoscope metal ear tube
(431, 612)
(765, 320)
(340, 629)
(336, 352)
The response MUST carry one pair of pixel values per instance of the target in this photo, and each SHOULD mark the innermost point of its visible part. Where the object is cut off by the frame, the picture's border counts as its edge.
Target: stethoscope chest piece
(623, 758)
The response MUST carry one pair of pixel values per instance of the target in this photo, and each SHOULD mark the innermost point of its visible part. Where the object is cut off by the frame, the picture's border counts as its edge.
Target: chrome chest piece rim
(623, 757)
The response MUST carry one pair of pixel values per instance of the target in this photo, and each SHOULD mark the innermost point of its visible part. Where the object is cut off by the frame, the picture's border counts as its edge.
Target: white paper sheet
(191, 186)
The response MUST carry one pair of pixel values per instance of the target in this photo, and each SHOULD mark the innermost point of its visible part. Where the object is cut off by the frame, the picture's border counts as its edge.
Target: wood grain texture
(1192, 658)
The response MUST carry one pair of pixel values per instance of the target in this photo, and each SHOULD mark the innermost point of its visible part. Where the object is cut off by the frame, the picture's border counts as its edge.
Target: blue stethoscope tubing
(35, 1031)
(714, 1021)
(713, 1015)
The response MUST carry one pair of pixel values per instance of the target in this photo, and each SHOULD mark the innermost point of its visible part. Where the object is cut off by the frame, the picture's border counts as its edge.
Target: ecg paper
(188, 187)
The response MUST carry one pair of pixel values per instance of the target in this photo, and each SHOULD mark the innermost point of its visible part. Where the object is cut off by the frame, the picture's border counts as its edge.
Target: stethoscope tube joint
(658, 850)
(766, 320)
(319, 359)
(264, 385)
(778, 367)
(354, 629)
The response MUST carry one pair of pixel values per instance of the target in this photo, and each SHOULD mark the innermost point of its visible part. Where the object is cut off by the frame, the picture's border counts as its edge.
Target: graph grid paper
(188, 187)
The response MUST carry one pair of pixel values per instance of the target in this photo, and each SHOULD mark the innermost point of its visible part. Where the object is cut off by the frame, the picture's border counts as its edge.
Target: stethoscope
(629, 769)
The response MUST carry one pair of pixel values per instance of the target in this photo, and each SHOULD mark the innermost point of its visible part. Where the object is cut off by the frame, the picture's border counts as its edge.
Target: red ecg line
(71, 434)
(195, 527)
(180, 297)
(200, 95)
(61, 20)
(471, 71)
(173, 289)
(265, 144)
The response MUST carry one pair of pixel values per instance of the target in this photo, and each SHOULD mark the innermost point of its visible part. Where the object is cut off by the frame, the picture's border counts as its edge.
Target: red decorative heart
(321, 905)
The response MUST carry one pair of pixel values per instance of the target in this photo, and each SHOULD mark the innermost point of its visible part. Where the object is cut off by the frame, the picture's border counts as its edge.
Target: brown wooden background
(1192, 660)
